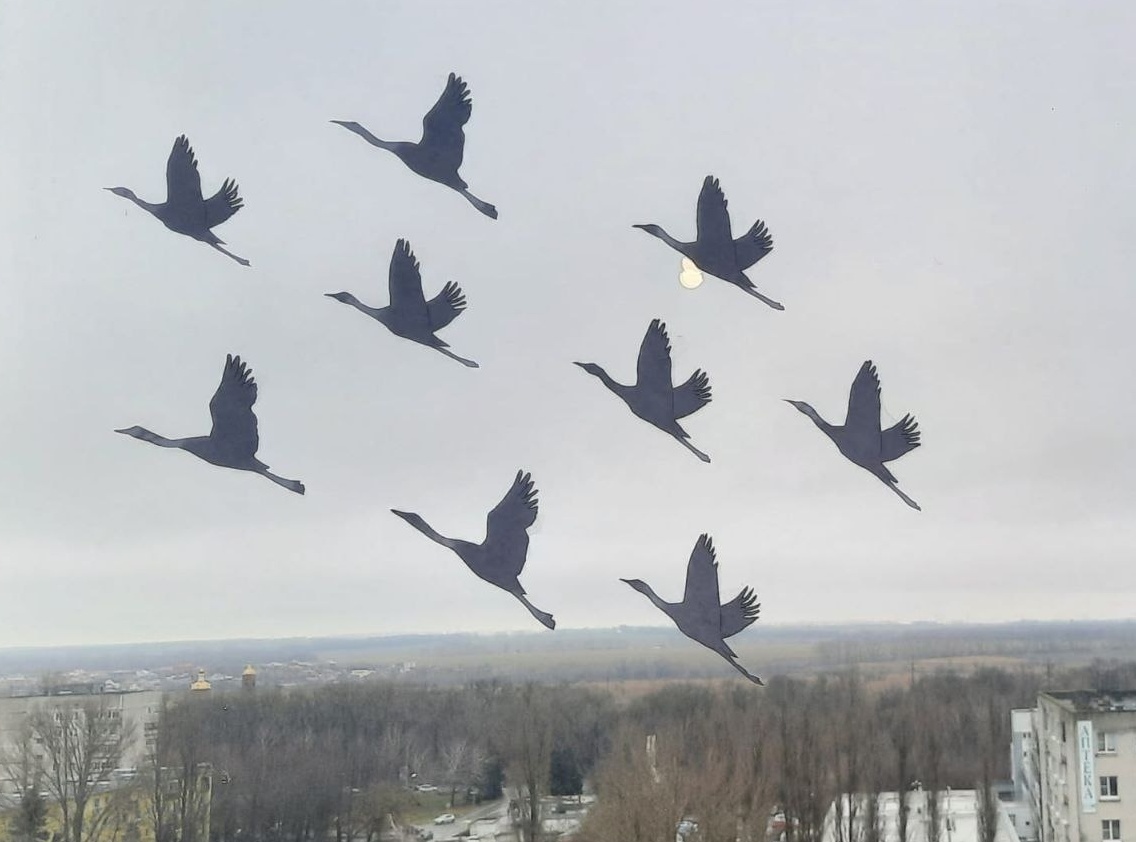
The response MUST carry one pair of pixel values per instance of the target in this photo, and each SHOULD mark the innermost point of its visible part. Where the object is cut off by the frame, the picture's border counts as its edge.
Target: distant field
(626, 655)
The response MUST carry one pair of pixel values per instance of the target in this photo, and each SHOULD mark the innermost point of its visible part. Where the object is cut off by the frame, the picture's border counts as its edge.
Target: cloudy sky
(949, 188)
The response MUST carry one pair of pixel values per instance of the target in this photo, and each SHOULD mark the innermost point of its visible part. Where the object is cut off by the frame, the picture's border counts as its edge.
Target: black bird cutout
(654, 398)
(233, 441)
(409, 314)
(860, 439)
(500, 558)
(700, 616)
(185, 211)
(714, 250)
(438, 155)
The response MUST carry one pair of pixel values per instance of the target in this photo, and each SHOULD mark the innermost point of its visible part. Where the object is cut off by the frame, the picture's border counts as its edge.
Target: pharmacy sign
(1087, 768)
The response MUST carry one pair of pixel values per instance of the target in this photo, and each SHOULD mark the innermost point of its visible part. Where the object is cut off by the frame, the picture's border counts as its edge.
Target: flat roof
(1095, 701)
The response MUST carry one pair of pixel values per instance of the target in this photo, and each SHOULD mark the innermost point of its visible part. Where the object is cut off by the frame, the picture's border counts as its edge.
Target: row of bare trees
(338, 761)
(750, 765)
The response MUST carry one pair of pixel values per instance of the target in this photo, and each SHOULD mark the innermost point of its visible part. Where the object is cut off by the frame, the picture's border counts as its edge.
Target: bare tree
(901, 732)
(987, 806)
(22, 766)
(640, 791)
(528, 736)
(83, 742)
(456, 757)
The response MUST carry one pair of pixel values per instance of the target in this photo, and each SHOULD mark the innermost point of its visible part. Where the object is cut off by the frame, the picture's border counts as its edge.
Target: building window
(1108, 787)
(1062, 732)
(1106, 742)
(1110, 830)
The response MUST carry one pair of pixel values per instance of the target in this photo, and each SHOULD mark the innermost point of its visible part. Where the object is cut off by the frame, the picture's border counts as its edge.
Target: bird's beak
(626, 581)
(120, 431)
(330, 294)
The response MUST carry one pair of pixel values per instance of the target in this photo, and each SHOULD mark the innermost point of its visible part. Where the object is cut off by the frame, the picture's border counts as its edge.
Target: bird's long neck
(154, 438)
(826, 428)
(607, 380)
(379, 313)
(656, 600)
(426, 529)
(142, 203)
(390, 146)
(657, 231)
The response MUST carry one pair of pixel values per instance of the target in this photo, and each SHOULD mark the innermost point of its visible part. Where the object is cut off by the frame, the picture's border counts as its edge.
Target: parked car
(427, 788)
(445, 818)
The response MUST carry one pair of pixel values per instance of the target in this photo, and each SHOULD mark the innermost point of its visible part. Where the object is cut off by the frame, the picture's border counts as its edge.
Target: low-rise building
(958, 817)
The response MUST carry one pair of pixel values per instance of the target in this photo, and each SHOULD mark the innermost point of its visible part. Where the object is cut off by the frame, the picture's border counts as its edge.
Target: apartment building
(1085, 766)
(136, 710)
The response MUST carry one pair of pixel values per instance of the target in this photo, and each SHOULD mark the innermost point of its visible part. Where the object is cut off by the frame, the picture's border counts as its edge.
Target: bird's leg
(903, 496)
(776, 305)
(543, 617)
(290, 484)
(484, 207)
(692, 449)
(239, 260)
(755, 679)
(462, 360)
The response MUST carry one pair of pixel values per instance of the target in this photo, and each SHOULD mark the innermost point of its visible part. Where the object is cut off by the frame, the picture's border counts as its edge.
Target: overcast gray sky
(949, 188)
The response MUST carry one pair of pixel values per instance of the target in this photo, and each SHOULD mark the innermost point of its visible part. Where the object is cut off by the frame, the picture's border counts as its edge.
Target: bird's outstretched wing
(183, 181)
(653, 370)
(506, 525)
(899, 439)
(701, 594)
(234, 423)
(446, 305)
(442, 126)
(753, 245)
(713, 217)
(740, 612)
(223, 204)
(405, 284)
(692, 395)
(864, 402)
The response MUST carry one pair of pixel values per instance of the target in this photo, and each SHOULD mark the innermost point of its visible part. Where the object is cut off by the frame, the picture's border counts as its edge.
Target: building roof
(1095, 701)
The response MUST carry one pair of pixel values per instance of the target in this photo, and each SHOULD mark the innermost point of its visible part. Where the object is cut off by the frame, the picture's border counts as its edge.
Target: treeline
(336, 761)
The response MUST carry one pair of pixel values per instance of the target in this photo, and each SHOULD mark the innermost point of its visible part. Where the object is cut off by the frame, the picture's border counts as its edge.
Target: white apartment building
(138, 710)
(1023, 802)
(1084, 771)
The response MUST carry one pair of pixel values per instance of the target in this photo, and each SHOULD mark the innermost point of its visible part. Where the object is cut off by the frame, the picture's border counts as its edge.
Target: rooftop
(1095, 701)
